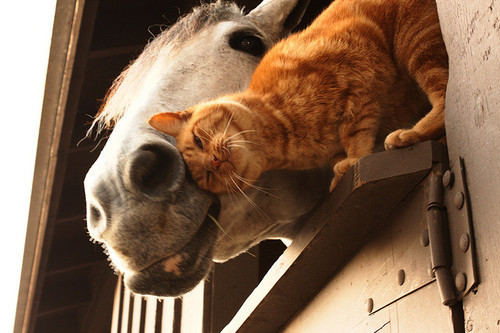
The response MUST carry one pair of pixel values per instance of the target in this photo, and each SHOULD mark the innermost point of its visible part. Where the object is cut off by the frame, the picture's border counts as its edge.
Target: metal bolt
(469, 325)
(401, 277)
(448, 178)
(460, 281)
(464, 242)
(369, 305)
(459, 200)
(424, 238)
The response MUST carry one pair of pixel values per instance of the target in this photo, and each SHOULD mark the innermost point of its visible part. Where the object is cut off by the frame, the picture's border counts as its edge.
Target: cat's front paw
(401, 138)
(340, 168)
(335, 181)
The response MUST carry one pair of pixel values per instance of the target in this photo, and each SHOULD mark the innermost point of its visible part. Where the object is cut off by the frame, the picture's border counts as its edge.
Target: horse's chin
(155, 281)
(179, 273)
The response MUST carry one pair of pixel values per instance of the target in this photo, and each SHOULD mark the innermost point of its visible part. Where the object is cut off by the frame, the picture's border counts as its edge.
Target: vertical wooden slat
(150, 314)
(192, 310)
(168, 315)
(159, 315)
(136, 313)
(142, 328)
(177, 315)
(125, 310)
(117, 306)
(208, 324)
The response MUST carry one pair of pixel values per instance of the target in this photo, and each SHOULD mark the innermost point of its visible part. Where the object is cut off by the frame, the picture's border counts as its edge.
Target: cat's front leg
(340, 168)
(357, 135)
(401, 138)
(431, 74)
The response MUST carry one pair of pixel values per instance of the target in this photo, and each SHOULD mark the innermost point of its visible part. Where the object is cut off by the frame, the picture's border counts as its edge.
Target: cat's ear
(170, 123)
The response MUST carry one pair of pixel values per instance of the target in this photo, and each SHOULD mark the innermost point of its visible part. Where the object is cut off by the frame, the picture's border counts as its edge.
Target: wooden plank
(117, 306)
(334, 232)
(471, 30)
(151, 313)
(372, 274)
(168, 322)
(46, 185)
(192, 310)
(136, 314)
(60, 61)
(127, 295)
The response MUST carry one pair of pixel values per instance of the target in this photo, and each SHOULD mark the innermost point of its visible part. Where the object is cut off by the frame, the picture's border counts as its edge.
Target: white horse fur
(141, 203)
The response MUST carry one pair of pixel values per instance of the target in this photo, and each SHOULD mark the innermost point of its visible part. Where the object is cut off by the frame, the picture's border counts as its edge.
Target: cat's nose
(215, 162)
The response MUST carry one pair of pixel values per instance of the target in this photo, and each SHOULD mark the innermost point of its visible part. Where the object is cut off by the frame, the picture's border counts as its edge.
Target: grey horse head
(159, 229)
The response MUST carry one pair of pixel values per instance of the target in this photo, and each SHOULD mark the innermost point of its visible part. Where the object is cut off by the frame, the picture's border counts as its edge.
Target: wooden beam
(63, 52)
(334, 233)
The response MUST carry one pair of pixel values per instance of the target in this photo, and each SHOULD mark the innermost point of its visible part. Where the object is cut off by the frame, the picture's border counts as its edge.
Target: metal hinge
(450, 233)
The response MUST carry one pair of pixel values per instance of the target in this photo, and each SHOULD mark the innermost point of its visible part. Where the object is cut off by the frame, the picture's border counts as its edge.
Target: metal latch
(450, 233)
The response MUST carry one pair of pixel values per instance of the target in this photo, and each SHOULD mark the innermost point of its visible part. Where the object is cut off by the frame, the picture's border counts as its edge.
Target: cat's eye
(247, 42)
(197, 141)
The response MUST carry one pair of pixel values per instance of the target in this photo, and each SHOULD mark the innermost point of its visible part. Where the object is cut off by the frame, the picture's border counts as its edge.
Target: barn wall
(471, 30)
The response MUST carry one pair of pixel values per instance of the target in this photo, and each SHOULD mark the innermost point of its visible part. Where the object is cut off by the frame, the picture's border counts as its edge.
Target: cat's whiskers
(210, 136)
(227, 125)
(240, 133)
(235, 145)
(256, 187)
(244, 142)
(205, 137)
(251, 201)
(225, 148)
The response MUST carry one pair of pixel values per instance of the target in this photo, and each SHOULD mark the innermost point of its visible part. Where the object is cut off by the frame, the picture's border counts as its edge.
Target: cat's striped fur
(361, 70)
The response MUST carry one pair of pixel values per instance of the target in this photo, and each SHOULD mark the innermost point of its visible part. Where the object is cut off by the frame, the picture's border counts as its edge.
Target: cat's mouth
(223, 180)
(210, 174)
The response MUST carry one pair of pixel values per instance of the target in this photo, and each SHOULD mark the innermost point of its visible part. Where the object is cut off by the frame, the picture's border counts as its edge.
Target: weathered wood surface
(334, 233)
(68, 18)
(413, 306)
(471, 31)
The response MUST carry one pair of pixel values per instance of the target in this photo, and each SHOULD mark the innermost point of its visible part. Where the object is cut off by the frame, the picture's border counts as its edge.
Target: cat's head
(214, 143)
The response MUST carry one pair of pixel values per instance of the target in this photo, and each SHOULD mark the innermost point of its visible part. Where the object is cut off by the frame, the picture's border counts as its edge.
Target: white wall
(25, 33)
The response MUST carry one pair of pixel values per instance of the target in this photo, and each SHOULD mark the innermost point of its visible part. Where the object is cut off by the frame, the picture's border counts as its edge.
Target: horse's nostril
(154, 170)
(96, 221)
(95, 215)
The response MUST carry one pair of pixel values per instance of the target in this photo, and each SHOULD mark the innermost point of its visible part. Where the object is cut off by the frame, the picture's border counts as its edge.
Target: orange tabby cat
(363, 69)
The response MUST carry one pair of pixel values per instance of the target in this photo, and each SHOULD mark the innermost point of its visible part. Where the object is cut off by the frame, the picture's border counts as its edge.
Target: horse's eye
(246, 42)
(198, 142)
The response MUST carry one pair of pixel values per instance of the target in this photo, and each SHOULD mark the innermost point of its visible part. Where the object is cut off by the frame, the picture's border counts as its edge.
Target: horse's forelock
(120, 94)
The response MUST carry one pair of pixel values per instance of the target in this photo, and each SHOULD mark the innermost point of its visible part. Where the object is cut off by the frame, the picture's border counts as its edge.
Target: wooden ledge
(334, 232)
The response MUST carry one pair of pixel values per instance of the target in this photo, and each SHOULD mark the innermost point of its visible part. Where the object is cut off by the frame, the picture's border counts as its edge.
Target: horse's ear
(278, 17)
(170, 123)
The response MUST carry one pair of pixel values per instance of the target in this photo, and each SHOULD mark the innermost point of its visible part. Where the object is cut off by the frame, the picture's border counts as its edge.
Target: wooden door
(471, 31)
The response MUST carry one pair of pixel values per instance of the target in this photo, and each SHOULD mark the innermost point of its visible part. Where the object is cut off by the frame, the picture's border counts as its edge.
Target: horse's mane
(121, 93)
